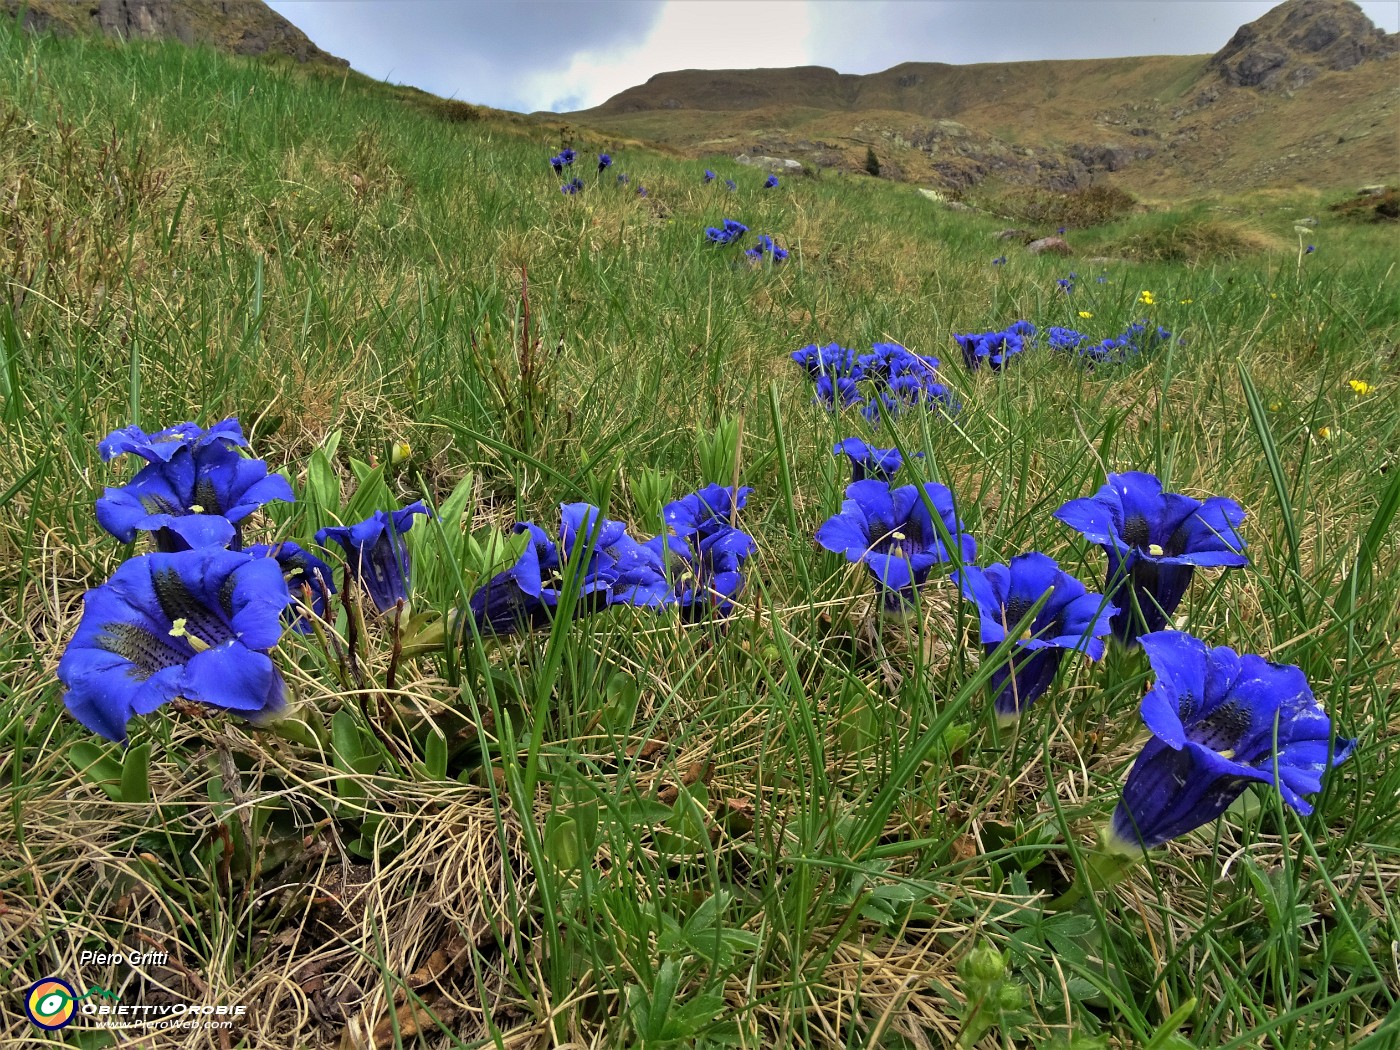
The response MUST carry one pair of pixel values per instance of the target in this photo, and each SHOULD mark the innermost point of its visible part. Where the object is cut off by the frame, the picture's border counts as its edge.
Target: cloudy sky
(562, 55)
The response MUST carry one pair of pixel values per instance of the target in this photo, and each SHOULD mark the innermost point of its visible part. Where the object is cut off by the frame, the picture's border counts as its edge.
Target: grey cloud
(476, 51)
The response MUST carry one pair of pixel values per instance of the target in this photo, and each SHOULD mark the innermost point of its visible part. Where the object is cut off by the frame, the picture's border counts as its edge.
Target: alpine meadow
(469, 580)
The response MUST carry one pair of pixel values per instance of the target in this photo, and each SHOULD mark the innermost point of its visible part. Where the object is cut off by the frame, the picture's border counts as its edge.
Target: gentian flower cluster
(572, 186)
(1154, 541)
(193, 619)
(696, 565)
(892, 533)
(995, 348)
(563, 159)
(1135, 339)
(730, 232)
(771, 182)
(766, 246)
(889, 378)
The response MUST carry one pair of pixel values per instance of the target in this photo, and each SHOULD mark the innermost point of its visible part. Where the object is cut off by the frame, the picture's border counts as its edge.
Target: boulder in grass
(1050, 245)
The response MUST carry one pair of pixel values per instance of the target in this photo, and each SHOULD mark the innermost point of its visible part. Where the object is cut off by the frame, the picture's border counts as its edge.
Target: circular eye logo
(49, 1003)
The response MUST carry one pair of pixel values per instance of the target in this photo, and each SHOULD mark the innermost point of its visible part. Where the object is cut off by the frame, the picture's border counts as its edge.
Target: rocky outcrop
(1288, 45)
(243, 27)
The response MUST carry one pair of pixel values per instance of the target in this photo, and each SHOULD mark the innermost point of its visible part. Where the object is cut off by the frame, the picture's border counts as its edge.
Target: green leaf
(136, 779)
(97, 766)
(435, 755)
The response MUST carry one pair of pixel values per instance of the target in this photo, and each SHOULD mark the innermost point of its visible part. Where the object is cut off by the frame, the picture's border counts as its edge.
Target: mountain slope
(241, 27)
(1307, 93)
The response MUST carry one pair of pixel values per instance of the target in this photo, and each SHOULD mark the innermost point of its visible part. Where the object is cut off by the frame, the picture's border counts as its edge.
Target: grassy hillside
(802, 828)
(1323, 113)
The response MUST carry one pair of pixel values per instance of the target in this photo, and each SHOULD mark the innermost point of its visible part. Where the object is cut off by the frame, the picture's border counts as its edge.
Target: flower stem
(1104, 867)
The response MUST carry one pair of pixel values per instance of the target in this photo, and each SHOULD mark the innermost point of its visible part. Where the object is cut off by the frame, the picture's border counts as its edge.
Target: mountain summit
(1294, 41)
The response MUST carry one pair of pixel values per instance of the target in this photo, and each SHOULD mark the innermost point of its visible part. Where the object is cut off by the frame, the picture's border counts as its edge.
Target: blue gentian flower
(622, 179)
(704, 551)
(730, 184)
(572, 186)
(305, 573)
(1000, 260)
(709, 175)
(892, 533)
(161, 446)
(1310, 249)
(837, 391)
(567, 156)
(995, 348)
(867, 461)
(195, 624)
(1101, 279)
(766, 246)
(1064, 338)
(195, 495)
(642, 191)
(1061, 230)
(1071, 620)
(829, 360)
(1066, 285)
(771, 182)
(519, 597)
(604, 161)
(377, 555)
(1154, 541)
(728, 234)
(1220, 722)
(557, 163)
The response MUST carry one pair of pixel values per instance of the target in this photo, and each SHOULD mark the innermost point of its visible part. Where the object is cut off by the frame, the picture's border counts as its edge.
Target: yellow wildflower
(1085, 314)
(1187, 302)
(1360, 386)
(1146, 299)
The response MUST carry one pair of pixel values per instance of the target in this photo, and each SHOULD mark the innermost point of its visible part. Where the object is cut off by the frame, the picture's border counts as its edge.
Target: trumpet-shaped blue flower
(829, 360)
(195, 624)
(837, 392)
(892, 533)
(198, 496)
(709, 175)
(305, 574)
(1000, 260)
(571, 187)
(1071, 620)
(1064, 338)
(730, 184)
(604, 161)
(520, 597)
(622, 178)
(867, 461)
(1220, 722)
(704, 552)
(767, 246)
(161, 446)
(995, 348)
(1154, 541)
(771, 182)
(377, 555)
(728, 234)
(557, 163)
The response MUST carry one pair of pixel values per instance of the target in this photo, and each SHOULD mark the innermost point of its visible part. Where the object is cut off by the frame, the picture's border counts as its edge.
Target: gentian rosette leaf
(867, 461)
(1220, 721)
(195, 624)
(377, 555)
(1154, 541)
(892, 533)
(206, 479)
(309, 579)
(1070, 620)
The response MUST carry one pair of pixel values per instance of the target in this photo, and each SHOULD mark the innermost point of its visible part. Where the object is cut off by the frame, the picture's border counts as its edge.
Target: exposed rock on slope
(1293, 41)
(243, 27)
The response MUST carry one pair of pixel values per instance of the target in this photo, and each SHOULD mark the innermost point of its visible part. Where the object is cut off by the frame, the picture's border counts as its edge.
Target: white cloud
(690, 34)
